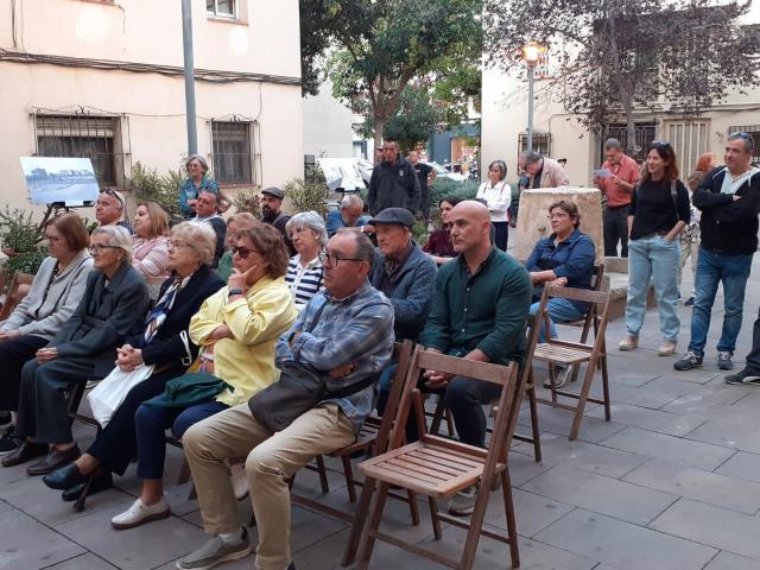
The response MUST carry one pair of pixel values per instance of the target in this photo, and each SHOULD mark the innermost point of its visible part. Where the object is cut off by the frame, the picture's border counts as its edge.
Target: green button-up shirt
(486, 310)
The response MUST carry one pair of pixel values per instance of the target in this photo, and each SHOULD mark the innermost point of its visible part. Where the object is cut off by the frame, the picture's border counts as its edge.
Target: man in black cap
(271, 213)
(405, 274)
(394, 183)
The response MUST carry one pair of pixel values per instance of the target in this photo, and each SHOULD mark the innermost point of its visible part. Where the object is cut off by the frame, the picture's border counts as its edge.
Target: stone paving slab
(619, 499)
(653, 420)
(716, 489)
(743, 466)
(694, 453)
(84, 562)
(728, 561)
(29, 545)
(714, 526)
(624, 545)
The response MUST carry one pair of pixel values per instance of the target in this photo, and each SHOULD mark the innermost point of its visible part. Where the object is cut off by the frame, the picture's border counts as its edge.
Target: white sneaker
(239, 481)
(140, 513)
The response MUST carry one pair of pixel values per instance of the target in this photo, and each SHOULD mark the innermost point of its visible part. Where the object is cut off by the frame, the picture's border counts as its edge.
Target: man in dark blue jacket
(729, 199)
(394, 183)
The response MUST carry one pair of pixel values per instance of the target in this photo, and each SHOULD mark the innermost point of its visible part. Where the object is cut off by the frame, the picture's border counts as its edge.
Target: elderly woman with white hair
(308, 234)
(112, 309)
(196, 182)
(161, 345)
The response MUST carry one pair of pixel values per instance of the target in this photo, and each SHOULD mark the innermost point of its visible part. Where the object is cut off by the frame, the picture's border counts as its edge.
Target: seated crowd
(290, 298)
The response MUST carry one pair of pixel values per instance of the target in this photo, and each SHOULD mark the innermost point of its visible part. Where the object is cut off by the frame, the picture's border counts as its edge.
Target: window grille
(232, 152)
(645, 134)
(689, 140)
(221, 8)
(754, 131)
(542, 143)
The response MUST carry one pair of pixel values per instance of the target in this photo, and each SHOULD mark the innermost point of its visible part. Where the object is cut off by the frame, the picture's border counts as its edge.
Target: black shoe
(65, 477)
(54, 460)
(744, 376)
(8, 442)
(291, 566)
(101, 481)
(5, 418)
(689, 302)
(24, 452)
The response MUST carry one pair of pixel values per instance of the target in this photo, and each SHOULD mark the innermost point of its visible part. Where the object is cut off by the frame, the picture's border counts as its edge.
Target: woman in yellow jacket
(237, 329)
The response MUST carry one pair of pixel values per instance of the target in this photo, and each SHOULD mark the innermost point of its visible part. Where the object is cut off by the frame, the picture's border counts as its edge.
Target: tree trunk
(379, 128)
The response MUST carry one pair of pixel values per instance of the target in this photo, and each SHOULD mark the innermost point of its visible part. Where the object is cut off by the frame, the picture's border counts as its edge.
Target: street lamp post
(531, 53)
(187, 48)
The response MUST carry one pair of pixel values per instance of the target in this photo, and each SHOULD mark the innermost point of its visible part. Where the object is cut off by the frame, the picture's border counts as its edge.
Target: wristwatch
(232, 292)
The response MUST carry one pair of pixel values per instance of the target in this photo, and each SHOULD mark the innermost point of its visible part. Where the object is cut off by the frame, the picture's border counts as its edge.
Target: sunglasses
(115, 194)
(745, 137)
(243, 251)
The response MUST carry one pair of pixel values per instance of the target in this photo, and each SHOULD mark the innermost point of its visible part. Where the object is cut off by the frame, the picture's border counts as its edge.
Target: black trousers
(42, 405)
(616, 230)
(14, 354)
(116, 444)
(753, 358)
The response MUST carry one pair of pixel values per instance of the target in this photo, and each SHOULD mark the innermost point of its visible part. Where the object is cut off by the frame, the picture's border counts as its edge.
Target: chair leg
(192, 494)
(476, 525)
(605, 387)
(436, 522)
(414, 508)
(348, 472)
(184, 472)
(449, 422)
(371, 530)
(365, 499)
(582, 396)
(509, 510)
(435, 425)
(534, 421)
(322, 474)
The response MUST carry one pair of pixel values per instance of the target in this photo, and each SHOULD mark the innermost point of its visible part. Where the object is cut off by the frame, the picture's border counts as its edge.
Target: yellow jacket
(247, 361)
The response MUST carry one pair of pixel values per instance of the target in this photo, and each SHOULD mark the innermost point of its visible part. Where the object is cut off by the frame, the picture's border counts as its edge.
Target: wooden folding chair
(567, 353)
(530, 390)
(591, 318)
(438, 467)
(12, 297)
(372, 439)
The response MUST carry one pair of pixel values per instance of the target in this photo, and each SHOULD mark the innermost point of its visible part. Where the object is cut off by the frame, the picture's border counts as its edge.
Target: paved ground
(672, 482)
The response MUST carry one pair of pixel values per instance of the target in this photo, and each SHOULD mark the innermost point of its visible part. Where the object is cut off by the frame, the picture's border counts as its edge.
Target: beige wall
(152, 106)
(327, 130)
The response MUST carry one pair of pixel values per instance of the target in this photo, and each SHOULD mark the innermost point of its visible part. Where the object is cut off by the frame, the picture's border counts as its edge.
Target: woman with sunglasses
(161, 344)
(237, 329)
(111, 310)
(659, 212)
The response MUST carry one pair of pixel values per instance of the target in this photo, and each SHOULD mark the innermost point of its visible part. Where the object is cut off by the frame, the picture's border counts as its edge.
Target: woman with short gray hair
(308, 234)
(197, 181)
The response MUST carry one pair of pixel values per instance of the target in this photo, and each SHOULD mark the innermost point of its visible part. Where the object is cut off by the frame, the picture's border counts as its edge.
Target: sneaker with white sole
(744, 376)
(140, 513)
(724, 360)
(463, 503)
(688, 361)
(562, 373)
(216, 551)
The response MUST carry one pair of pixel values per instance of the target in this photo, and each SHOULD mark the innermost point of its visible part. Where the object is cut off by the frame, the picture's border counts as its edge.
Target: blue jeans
(712, 269)
(653, 259)
(560, 311)
(152, 421)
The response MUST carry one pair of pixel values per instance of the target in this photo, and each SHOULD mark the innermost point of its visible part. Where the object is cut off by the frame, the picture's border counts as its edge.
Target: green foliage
(417, 118)
(307, 196)
(149, 186)
(247, 201)
(21, 237)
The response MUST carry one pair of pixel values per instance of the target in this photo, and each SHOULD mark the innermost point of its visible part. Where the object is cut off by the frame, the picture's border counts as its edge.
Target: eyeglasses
(332, 259)
(97, 249)
(243, 251)
(179, 245)
(115, 194)
(745, 137)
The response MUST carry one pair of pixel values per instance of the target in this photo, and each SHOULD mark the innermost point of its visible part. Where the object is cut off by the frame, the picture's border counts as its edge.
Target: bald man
(480, 308)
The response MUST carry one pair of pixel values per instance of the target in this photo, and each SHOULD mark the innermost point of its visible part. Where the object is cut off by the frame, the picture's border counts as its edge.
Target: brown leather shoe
(53, 460)
(24, 452)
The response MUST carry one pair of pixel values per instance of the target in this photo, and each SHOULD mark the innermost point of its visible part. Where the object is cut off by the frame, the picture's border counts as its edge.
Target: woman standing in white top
(497, 195)
(308, 234)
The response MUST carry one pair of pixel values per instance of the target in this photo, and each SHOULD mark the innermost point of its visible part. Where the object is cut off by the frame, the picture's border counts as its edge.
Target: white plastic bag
(111, 391)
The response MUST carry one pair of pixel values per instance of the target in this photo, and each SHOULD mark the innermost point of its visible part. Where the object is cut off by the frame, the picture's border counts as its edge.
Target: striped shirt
(304, 281)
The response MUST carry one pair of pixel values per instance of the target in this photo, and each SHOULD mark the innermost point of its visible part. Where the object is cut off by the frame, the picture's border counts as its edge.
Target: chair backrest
(597, 277)
(12, 299)
(599, 302)
(469, 370)
(402, 354)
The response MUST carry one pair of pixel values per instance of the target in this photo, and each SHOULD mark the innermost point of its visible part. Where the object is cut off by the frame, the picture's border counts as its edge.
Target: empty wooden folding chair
(438, 467)
(13, 296)
(557, 352)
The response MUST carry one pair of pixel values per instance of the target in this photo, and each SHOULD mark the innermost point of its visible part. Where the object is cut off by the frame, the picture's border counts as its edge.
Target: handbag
(111, 391)
(189, 389)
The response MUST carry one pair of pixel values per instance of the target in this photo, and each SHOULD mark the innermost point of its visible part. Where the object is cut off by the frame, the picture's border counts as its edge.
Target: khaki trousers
(271, 460)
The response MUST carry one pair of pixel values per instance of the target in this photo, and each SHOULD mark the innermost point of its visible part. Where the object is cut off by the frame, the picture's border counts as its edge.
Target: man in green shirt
(480, 308)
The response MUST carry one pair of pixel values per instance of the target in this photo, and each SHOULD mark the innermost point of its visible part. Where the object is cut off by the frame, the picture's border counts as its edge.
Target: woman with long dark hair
(659, 211)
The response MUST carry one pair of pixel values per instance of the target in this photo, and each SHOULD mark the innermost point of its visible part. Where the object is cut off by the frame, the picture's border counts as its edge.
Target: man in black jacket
(729, 199)
(394, 183)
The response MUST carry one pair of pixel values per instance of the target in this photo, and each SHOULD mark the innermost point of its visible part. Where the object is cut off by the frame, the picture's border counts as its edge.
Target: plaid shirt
(356, 330)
